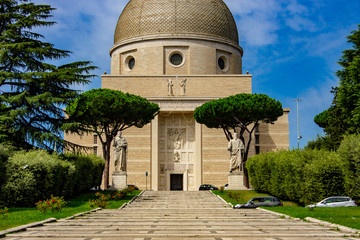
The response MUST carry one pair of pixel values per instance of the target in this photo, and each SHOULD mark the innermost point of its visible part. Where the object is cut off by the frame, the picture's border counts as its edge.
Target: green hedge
(35, 175)
(89, 171)
(349, 152)
(302, 176)
(5, 153)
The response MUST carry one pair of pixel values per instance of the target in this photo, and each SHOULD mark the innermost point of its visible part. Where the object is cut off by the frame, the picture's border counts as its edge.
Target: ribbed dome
(176, 17)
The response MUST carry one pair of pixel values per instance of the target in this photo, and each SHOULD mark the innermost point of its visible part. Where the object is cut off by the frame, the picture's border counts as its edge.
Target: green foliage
(102, 200)
(343, 116)
(35, 175)
(4, 212)
(5, 153)
(106, 112)
(349, 152)
(54, 204)
(323, 142)
(243, 111)
(301, 176)
(239, 110)
(89, 169)
(345, 216)
(32, 89)
(102, 110)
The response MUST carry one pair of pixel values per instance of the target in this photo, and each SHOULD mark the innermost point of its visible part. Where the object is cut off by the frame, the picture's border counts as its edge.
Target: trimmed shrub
(5, 153)
(349, 152)
(89, 170)
(301, 176)
(34, 175)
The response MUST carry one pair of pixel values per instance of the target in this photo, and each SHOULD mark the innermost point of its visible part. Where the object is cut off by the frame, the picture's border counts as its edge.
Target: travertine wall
(196, 85)
(152, 57)
(214, 163)
(215, 157)
(275, 136)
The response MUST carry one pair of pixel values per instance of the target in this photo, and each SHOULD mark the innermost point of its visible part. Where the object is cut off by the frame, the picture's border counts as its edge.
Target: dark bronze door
(176, 182)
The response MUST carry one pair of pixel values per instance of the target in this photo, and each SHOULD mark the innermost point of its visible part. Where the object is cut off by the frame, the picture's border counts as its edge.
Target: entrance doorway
(176, 182)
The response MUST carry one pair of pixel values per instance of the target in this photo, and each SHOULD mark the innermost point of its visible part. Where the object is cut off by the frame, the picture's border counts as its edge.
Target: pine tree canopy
(32, 89)
(343, 116)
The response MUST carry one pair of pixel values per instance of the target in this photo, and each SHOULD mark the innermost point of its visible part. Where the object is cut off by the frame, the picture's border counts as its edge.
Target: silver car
(335, 202)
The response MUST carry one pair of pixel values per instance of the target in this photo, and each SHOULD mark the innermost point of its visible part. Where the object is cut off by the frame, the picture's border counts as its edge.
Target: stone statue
(235, 147)
(120, 153)
(170, 87)
(183, 86)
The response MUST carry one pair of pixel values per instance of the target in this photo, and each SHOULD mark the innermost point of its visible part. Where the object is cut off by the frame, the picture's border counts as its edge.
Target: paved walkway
(180, 215)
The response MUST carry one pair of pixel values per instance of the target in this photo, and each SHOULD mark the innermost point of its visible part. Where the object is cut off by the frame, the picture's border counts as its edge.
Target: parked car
(134, 186)
(261, 202)
(335, 202)
(207, 187)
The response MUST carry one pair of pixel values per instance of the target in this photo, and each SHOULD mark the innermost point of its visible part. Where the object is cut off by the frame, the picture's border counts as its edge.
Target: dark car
(134, 186)
(261, 202)
(207, 187)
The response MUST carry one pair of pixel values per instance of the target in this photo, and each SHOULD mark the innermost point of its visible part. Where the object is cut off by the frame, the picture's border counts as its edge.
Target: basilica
(180, 54)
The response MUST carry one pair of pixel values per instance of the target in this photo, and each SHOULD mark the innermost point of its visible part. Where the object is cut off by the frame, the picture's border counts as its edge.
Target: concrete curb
(328, 224)
(278, 214)
(80, 214)
(133, 199)
(24, 227)
(314, 220)
(38, 224)
(222, 199)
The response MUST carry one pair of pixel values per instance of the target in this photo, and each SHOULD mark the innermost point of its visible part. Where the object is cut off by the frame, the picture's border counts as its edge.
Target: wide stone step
(203, 238)
(179, 234)
(180, 215)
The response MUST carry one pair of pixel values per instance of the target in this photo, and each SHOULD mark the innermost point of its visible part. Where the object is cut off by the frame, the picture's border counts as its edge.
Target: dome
(192, 18)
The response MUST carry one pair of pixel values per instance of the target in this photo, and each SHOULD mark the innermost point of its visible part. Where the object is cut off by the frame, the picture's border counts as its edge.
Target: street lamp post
(298, 131)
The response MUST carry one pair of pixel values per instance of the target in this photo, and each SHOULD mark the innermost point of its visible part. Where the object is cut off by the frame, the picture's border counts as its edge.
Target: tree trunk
(106, 157)
(106, 154)
(246, 153)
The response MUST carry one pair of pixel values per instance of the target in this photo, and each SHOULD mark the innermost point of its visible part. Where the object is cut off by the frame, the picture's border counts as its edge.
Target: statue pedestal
(236, 181)
(119, 181)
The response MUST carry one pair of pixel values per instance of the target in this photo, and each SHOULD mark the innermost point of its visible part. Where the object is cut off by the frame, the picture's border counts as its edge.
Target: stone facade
(180, 69)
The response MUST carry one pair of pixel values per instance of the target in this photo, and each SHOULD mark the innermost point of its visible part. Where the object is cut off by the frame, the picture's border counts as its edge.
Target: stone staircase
(180, 215)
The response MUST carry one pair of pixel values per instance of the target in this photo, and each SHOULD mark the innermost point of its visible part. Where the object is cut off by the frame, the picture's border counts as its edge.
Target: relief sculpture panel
(176, 148)
(176, 138)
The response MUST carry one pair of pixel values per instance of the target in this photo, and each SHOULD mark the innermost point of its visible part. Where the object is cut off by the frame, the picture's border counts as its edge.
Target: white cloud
(256, 20)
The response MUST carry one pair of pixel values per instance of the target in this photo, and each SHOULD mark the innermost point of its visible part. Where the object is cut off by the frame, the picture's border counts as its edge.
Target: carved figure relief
(183, 86)
(162, 168)
(176, 138)
(176, 141)
(170, 87)
(177, 157)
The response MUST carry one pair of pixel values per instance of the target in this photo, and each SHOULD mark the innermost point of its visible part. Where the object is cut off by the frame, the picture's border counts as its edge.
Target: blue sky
(291, 47)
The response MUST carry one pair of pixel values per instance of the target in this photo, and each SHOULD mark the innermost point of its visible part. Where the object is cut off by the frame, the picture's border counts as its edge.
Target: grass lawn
(346, 216)
(21, 216)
